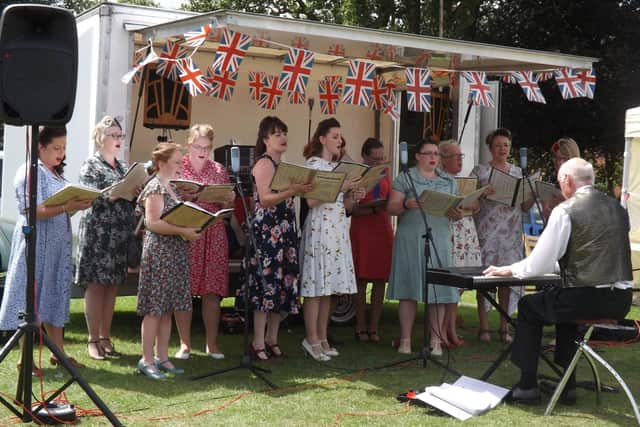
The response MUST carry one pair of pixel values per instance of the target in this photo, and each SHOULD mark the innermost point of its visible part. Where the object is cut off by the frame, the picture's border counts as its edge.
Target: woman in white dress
(327, 263)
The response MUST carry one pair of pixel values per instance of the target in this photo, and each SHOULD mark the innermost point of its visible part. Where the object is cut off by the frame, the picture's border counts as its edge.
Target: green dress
(407, 265)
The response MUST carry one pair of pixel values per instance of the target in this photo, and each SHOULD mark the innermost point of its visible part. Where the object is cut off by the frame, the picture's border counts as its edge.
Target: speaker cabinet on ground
(167, 104)
(247, 158)
(38, 65)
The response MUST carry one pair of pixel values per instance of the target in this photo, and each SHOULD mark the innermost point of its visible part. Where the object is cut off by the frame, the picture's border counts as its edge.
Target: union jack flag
(300, 42)
(423, 59)
(545, 75)
(191, 76)
(296, 70)
(588, 80)
(329, 90)
(358, 84)
(569, 83)
(297, 97)
(418, 89)
(391, 109)
(336, 49)
(261, 39)
(378, 93)
(233, 46)
(257, 81)
(196, 37)
(479, 89)
(270, 94)
(375, 52)
(508, 78)
(221, 86)
(529, 84)
(391, 52)
(139, 62)
(168, 65)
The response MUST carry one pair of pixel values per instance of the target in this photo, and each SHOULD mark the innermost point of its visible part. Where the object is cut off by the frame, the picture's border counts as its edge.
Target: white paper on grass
(465, 398)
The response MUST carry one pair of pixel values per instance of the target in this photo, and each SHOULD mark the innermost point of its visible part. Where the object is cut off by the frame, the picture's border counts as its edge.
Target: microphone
(235, 159)
(404, 155)
(523, 158)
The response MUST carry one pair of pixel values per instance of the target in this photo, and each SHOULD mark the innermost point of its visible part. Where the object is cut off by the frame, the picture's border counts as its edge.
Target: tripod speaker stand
(245, 362)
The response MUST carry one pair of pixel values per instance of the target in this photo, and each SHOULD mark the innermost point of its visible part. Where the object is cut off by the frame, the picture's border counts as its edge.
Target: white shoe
(436, 349)
(182, 354)
(217, 356)
(331, 351)
(315, 351)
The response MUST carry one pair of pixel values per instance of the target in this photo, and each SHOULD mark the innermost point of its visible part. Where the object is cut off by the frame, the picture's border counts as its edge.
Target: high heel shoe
(315, 351)
(258, 353)
(107, 347)
(274, 350)
(94, 350)
(150, 370)
(73, 362)
(328, 350)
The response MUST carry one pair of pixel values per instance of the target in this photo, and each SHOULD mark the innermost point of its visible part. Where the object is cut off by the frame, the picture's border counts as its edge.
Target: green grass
(341, 392)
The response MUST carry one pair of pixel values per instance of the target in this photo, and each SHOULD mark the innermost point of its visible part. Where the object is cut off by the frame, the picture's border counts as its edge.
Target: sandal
(108, 348)
(275, 354)
(505, 337)
(95, 351)
(258, 353)
(484, 335)
(374, 337)
(73, 362)
(362, 336)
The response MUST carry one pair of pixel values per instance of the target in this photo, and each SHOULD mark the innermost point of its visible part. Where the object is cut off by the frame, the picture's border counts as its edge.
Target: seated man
(588, 234)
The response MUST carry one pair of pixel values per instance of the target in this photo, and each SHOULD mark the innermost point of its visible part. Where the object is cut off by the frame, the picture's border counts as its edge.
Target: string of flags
(362, 86)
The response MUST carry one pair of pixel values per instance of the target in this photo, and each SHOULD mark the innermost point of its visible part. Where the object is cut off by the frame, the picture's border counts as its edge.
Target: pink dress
(209, 255)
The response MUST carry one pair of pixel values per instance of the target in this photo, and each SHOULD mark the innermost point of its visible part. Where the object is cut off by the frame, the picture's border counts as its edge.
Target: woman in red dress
(371, 242)
(209, 255)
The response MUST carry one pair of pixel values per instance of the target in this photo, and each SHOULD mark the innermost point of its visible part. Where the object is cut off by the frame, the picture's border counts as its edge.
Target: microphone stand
(425, 353)
(246, 361)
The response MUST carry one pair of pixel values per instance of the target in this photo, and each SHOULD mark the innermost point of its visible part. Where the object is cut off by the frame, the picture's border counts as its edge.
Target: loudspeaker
(167, 104)
(38, 65)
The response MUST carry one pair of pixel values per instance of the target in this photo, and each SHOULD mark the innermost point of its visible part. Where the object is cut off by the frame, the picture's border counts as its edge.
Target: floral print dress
(164, 267)
(327, 262)
(105, 228)
(273, 288)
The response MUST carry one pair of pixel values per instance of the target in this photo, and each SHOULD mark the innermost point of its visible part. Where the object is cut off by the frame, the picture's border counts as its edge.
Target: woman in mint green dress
(406, 282)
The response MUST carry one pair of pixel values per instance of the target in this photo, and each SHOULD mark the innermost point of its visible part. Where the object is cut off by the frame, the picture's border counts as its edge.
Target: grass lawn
(349, 390)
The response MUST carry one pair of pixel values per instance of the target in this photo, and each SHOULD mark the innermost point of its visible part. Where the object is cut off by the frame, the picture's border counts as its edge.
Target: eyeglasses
(458, 156)
(429, 153)
(201, 148)
(116, 135)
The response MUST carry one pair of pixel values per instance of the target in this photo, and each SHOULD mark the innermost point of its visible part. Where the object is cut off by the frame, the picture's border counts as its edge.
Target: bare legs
(437, 329)
(317, 311)
(265, 333)
(483, 316)
(407, 315)
(210, 318)
(450, 316)
(99, 303)
(377, 300)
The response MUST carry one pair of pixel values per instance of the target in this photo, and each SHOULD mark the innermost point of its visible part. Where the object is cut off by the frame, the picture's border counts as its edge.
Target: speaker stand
(29, 329)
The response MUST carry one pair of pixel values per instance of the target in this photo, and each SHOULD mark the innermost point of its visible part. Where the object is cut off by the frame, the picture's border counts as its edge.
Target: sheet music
(547, 191)
(372, 176)
(505, 186)
(352, 169)
(326, 186)
(524, 190)
(70, 192)
(466, 186)
(437, 203)
(215, 193)
(286, 173)
(127, 187)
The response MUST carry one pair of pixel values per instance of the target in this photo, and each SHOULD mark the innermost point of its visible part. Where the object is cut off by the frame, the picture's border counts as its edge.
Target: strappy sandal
(374, 337)
(275, 354)
(95, 351)
(258, 353)
(484, 335)
(362, 336)
(109, 349)
(73, 362)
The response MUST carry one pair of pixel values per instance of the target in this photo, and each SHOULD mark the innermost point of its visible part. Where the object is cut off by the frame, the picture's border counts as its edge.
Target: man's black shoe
(530, 396)
(568, 396)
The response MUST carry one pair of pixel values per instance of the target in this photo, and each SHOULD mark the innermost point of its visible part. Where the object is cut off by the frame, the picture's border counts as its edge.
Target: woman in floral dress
(163, 286)
(103, 237)
(326, 246)
(273, 265)
(209, 255)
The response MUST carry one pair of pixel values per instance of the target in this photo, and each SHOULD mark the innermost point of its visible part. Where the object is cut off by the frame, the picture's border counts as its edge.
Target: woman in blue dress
(53, 274)
(406, 282)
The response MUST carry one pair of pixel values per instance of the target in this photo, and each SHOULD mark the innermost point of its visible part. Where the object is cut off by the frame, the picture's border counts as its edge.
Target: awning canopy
(336, 44)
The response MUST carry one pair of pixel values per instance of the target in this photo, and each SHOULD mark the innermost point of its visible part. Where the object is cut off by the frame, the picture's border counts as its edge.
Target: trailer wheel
(345, 311)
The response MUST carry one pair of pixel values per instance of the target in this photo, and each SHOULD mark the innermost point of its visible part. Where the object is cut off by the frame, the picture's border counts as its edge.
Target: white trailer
(631, 186)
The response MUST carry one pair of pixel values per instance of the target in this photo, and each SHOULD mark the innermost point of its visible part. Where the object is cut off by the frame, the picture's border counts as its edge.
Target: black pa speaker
(38, 65)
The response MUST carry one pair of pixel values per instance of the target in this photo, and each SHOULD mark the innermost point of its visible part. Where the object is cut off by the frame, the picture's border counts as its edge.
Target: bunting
(296, 70)
(418, 89)
(391, 108)
(232, 49)
(528, 81)
(357, 86)
(257, 80)
(136, 72)
(191, 76)
(196, 37)
(329, 90)
(569, 83)
(588, 81)
(221, 86)
(378, 93)
(297, 97)
(479, 89)
(336, 49)
(168, 60)
(270, 94)
(300, 42)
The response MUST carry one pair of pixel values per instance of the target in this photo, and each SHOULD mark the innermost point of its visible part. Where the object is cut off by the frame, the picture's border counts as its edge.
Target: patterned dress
(372, 237)
(327, 262)
(466, 248)
(499, 230)
(408, 263)
(209, 255)
(164, 268)
(274, 289)
(105, 228)
(53, 258)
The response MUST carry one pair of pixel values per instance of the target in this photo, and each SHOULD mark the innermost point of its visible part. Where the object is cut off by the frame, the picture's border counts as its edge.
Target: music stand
(246, 361)
(29, 329)
(425, 353)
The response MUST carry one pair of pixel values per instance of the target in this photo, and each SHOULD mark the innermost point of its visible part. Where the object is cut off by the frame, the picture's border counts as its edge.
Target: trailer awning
(389, 49)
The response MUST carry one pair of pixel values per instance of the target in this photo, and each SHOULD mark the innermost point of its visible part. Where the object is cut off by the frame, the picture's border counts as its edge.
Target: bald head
(573, 174)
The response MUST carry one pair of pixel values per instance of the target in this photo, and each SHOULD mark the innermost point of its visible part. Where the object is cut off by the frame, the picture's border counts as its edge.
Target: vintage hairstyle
(100, 130)
(369, 145)
(46, 135)
(421, 143)
(162, 152)
(566, 147)
(314, 147)
(197, 131)
(498, 132)
(268, 126)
